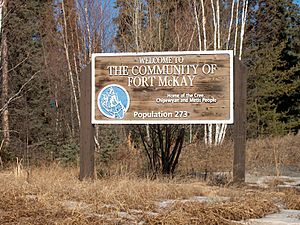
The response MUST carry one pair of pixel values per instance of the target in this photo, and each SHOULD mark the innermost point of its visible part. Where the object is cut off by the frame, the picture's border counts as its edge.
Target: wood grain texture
(143, 99)
(240, 117)
(87, 145)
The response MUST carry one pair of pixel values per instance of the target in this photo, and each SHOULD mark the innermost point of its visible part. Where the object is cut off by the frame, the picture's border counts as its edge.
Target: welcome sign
(162, 88)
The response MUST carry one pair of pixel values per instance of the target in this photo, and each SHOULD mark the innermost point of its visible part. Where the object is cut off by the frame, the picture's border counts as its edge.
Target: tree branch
(16, 95)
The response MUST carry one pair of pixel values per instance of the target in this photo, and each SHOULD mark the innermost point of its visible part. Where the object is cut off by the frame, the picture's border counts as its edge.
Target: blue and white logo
(113, 101)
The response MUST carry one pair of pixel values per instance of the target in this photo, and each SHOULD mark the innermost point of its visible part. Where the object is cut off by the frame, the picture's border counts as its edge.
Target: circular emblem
(113, 101)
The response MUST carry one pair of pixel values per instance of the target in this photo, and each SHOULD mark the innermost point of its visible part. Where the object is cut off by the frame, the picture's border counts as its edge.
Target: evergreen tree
(274, 60)
(29, 113)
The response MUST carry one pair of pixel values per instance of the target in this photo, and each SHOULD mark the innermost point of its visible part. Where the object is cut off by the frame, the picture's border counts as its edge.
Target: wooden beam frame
(87, 142)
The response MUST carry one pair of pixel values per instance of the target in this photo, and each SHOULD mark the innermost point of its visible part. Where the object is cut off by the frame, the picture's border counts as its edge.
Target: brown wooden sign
(162, 87)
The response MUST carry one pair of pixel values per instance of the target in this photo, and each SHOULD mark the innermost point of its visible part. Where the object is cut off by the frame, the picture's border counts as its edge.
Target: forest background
(46, 44)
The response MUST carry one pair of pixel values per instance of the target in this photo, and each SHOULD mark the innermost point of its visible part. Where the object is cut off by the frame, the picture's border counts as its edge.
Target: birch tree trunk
(5, 78)
(205, 135)
(135, 25)
(198, 25)
(230, 24)
(159, 35)
(236, 26)
(77, 25)
(88, 31)
(217, 134)
(148, 132)
(65, 40)
(223, 133)
(71, 115)
(216, 44)
(191, 39)
(199, 41)
(210, 131)
(79, 51)
(191, 133)
(205, 48)
(218, 24)
(1, 7)
(215, 24)
(244, 18)
(204, 26)
(85, 51)
(75, 61)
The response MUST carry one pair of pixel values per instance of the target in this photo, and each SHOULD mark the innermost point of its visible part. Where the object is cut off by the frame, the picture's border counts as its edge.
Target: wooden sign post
(87, 143)
(163, 88)
(240, 118)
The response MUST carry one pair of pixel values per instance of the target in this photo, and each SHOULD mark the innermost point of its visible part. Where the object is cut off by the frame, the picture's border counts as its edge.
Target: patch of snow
(264, 181)
(131, 215)
(137, 211)
(285, 217)
(201, 199)
(125, 215)
(73, 205)
(165, 203)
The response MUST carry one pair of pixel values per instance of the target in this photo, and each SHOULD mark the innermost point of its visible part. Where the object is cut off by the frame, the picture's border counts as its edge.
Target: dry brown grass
(51, 188)
(15, 208)
(53, 195)
(262, 155)
(220, 213)
(275, 182)
(197, 157)
(292, 199)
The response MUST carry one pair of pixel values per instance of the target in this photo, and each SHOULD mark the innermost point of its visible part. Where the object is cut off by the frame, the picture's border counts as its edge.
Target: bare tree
(1, 15)
(5, 80)
(210, 27)
(88, 30)
(230, 24)
(244, 18)
(236, 27)
(215, 24)
(163, 148)
(198, 25)
(136, 24)
(204, 25)
(66, 48)
(216, 36)
(218, 24)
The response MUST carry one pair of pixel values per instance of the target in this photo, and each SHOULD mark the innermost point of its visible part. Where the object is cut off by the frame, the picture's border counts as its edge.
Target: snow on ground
(265, 181)
(285, 217)
(202, 199)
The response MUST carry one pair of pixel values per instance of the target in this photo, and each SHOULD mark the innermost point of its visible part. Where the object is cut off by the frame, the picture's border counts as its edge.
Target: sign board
(162, 88)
